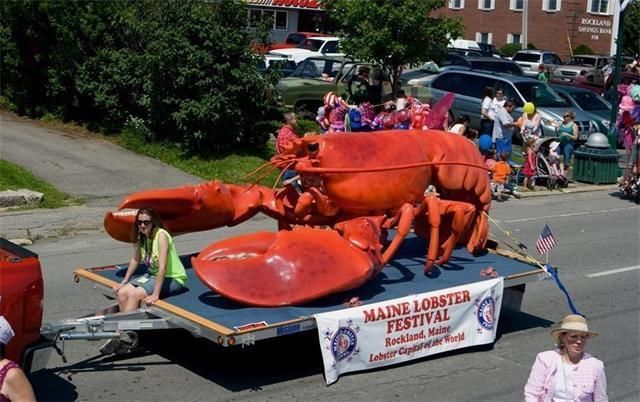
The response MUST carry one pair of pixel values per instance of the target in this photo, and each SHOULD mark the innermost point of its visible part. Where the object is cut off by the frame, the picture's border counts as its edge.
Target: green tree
(182, 71)
(392, 33)
(631, 34)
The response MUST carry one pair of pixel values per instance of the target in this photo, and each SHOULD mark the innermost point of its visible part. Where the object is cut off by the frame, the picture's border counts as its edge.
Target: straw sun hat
(572, 323)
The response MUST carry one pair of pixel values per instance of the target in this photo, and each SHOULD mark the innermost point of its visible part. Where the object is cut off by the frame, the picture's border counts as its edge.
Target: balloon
(485, 142)
(529, 108)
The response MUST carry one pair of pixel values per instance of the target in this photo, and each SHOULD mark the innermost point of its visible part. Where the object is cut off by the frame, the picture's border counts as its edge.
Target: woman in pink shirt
(567, 373)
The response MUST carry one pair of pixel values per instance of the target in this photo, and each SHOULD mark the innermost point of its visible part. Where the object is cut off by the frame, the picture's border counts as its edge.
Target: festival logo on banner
(342, 343)
(485, 313)
(407, 328)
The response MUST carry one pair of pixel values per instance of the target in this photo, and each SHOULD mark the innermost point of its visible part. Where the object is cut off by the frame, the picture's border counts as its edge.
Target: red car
(22, 294)
(292, 40)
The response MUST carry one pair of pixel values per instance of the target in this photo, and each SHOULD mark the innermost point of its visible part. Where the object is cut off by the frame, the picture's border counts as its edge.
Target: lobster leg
(457, 217)
(463, 214)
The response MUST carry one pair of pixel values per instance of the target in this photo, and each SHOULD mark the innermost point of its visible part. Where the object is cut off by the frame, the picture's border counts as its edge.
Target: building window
(486, 4)
(514, 38)
(598, 6)
(551, 5)
(457, 4)
(516, 5)
(281, 20)
(484, 37)
(278, 18)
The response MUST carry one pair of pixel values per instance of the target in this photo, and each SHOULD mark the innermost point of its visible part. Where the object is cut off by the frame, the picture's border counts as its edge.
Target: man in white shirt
(503, 127)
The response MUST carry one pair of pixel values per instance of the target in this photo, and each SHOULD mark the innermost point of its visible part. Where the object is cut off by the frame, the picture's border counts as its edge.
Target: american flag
(546, 241)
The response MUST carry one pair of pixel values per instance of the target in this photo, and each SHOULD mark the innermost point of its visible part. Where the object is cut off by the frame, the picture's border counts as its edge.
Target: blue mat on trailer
(403, 276)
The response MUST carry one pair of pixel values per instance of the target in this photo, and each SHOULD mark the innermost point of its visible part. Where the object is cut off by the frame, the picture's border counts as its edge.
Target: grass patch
(14, 177)
(227, 168)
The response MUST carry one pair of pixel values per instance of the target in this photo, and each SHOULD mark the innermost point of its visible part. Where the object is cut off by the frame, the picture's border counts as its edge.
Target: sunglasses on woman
(143, 223)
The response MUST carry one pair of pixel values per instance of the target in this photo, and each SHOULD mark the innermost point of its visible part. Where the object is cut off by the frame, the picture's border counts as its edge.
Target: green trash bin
(595, 165)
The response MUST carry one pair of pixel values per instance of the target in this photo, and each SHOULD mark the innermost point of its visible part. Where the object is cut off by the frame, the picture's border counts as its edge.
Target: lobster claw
(182, 210)
(284, 268)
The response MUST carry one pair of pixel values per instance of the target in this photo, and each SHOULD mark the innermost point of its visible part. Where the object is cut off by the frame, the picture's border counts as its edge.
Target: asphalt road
(597, 254)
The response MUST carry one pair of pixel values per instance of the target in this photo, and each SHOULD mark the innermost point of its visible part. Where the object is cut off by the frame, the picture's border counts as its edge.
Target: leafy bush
(183, 70)
(582, 49)
(510, 49)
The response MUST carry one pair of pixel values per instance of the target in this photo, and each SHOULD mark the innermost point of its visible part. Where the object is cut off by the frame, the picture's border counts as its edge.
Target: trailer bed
(205, 313)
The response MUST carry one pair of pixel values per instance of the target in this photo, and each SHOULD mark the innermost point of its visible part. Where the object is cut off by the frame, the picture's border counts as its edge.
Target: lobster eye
(313, 147)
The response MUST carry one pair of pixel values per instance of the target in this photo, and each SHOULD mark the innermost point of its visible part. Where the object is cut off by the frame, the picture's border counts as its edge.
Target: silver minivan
(469, 87)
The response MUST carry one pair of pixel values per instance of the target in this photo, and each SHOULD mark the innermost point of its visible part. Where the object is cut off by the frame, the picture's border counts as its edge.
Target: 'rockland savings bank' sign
(595, 27)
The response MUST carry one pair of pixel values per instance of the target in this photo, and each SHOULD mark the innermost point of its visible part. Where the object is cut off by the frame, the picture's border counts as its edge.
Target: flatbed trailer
(208, 315)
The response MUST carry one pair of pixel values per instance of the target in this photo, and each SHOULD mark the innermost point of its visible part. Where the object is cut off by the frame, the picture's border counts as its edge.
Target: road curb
(570, 190)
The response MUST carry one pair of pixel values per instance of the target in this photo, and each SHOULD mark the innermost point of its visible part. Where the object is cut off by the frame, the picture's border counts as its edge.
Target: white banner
(407, 328)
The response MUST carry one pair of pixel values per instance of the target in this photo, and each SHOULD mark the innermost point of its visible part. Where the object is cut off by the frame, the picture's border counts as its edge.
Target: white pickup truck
(314, 46)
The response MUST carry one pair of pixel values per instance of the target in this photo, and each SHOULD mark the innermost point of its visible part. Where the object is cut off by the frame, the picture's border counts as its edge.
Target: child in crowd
(490, 159)
(529, 169)
(322, 118)
(286, 135)
(500, 177)
(557, 167)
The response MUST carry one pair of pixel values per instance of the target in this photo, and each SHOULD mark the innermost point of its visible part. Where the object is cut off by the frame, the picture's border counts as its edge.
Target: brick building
(550, 24)
(557, 25)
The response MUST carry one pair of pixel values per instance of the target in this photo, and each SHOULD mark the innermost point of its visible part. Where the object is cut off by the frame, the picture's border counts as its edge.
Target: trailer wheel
(128, 342)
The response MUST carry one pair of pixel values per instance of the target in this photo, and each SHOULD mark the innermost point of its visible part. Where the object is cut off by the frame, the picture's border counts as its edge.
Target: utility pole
(525, 28)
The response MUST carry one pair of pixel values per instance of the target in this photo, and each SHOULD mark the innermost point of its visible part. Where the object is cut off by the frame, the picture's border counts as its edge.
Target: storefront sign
(408, 328)
(595, 27)
(296, 3)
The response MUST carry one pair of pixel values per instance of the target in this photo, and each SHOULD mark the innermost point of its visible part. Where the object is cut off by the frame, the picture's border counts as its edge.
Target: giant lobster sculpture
(333, 230)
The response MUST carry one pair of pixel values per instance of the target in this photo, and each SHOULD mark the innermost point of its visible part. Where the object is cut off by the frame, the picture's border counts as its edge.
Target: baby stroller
(548, 172)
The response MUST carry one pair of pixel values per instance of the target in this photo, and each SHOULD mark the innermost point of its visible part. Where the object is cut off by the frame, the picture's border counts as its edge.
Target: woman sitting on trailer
(165, 273)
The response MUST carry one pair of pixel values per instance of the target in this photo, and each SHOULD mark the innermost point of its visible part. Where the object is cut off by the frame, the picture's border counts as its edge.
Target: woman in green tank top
(165, 274)
(567, 136)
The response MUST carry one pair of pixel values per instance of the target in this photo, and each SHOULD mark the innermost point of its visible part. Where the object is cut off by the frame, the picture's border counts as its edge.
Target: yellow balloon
(529, 108)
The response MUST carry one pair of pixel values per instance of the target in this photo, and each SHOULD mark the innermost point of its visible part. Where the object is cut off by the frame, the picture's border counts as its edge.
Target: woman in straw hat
(567, 373)
(14, 385)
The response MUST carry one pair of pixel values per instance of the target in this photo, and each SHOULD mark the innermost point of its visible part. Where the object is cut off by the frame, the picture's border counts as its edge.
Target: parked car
(422, 76)
(304, 89)
(310, 47)
(496, 65)
(469, 86)
(530, 60)
(594, 105)
(293, 39)
(592, 64)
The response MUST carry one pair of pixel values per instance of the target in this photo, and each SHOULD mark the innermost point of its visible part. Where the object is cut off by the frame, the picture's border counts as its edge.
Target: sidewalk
(27, 226)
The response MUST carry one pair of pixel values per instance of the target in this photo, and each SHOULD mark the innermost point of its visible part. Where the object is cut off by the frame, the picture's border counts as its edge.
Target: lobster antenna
(275, 184)
(256, 170)
(274, 166)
